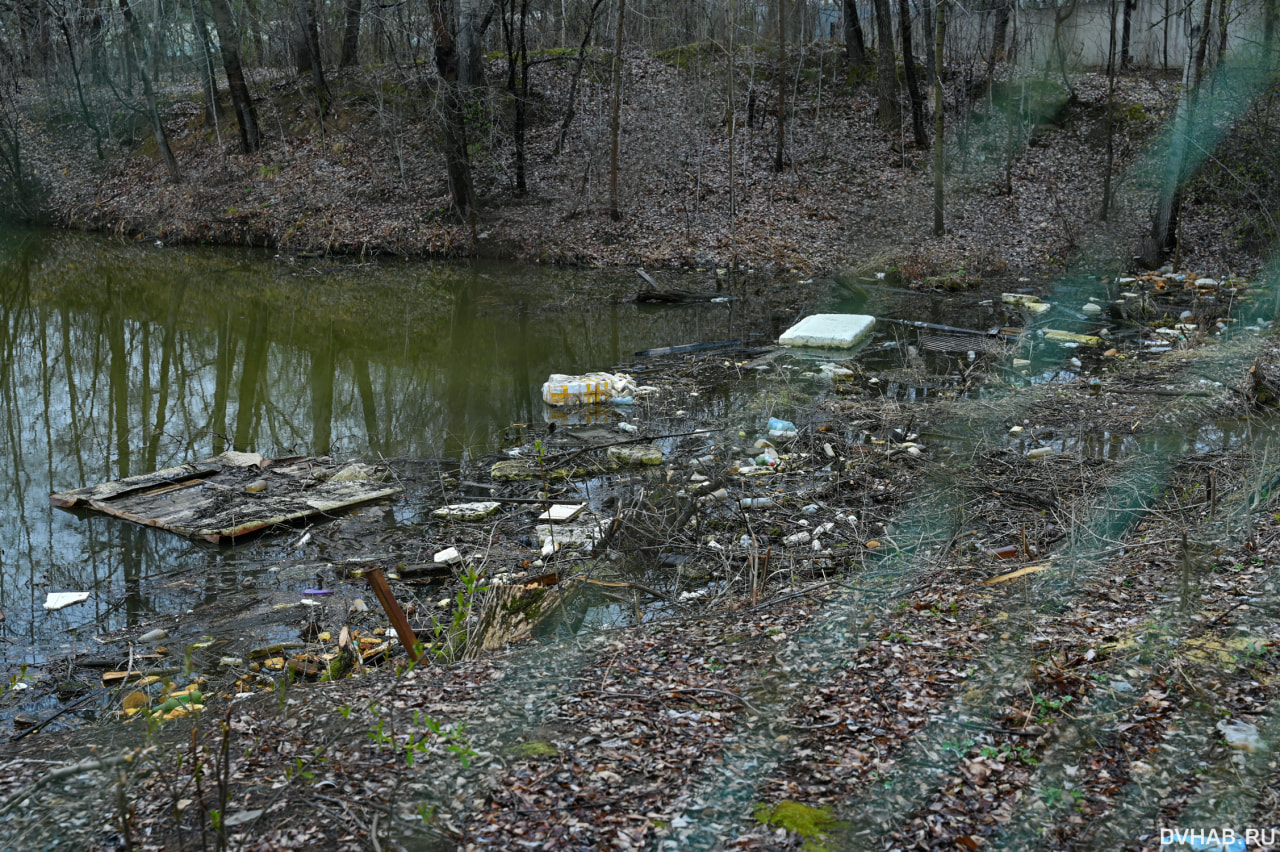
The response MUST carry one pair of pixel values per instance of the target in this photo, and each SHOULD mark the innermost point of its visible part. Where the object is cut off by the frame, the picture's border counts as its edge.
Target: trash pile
(721, 477)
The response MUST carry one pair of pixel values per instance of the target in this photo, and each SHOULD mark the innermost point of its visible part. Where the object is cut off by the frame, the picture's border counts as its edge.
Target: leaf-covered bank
(699, 188)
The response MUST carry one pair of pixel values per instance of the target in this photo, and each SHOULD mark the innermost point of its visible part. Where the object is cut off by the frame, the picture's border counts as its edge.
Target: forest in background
(781, 135)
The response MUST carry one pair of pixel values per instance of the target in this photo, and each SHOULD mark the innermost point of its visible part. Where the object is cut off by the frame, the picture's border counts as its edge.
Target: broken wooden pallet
(233, 494)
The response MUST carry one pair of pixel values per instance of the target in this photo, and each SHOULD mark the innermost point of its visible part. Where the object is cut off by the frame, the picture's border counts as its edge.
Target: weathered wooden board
(231, 495)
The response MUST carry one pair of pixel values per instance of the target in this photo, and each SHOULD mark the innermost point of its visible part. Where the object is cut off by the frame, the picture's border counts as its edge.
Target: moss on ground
(812, 824)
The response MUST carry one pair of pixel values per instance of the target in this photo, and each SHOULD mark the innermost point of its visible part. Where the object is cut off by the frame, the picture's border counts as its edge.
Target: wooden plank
(124, 487)
(1013, 575)
(210, 500)
(109, 678)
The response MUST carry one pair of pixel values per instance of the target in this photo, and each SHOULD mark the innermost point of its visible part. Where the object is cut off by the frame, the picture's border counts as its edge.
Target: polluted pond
(953, 582)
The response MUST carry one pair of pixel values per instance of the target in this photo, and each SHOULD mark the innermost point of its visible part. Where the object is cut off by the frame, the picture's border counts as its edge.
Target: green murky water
(119, 359)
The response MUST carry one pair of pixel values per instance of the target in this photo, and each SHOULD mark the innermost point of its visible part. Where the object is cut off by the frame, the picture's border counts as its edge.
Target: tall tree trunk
(97, 62)
(207, 76)
(926, 28)
(156, 51)
(615, 119)
(470, 57)
(888, 113)
(780, 158)
(939, 143)
(909, 71)
(509, 39)
(1164, 59)
(457, 163)
(241, 102)
(24, 36)
(350, 34)
(571, 109)
(731, 91)
(1223, 23)
(1125, 58)
(1000, 31)
(1164, 226)
(153, 109)
(309, 47)
(1202, 46)
(855, 46)
(1111, 107)
(522, 99)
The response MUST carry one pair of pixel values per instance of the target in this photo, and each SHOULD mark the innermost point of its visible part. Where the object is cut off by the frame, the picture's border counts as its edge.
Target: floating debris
(1071, 337)
(636, 454)
(467, 511)
(1034, 304)
(61, 600)
(209, 500)
(829, 331)
(561, 512)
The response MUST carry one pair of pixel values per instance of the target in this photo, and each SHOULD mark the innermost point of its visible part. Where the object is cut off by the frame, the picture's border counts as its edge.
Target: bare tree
(1111, 106)
(1129, 6)
(205, 59)
(855, 47)
(134, 45)
(615, 119)
(1000, 31)
(457, 161)
(1164, 225)
(350, 34)
(909, 71)
(939, 145)
(571, 109)
(241, 102)
(310, 60)
(470, 36)
(888, 114)
(780, 159)
(522, 99)
(18, 197)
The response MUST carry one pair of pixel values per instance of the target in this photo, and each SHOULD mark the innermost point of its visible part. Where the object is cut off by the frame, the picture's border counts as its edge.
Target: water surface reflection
(120, 359)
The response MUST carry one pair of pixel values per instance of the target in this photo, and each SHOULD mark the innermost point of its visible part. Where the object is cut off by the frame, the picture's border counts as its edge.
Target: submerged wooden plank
(231, 495)
(132, 484)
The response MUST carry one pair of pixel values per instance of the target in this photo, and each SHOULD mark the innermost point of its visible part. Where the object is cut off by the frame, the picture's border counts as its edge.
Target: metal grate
(960, 343)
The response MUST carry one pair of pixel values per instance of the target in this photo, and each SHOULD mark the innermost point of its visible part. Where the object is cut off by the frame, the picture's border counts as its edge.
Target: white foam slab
(829, 331)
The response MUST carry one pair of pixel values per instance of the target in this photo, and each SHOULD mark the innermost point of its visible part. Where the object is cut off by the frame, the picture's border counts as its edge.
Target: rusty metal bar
(392, 608)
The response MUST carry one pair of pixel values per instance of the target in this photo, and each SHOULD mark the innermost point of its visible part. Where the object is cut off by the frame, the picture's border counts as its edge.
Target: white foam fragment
(448, 556)
(62, 600)
(829, 331)
(561, 512)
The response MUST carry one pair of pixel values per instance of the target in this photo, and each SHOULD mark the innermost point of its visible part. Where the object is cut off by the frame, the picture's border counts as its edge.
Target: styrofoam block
(831, 331)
